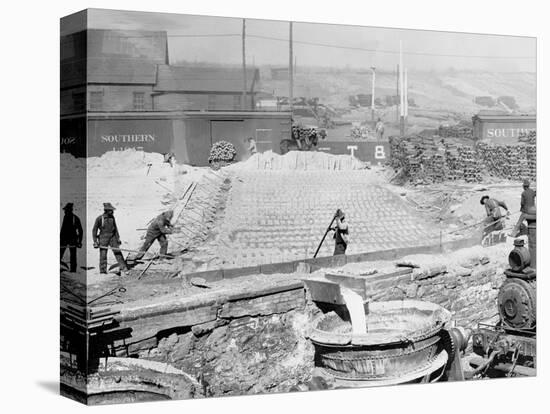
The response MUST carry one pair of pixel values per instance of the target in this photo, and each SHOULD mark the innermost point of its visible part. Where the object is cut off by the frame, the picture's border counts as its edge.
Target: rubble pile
(428, 160)
(512, 162)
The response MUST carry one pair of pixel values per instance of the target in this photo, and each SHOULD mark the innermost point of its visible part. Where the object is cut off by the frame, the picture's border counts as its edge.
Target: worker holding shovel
(105, 235)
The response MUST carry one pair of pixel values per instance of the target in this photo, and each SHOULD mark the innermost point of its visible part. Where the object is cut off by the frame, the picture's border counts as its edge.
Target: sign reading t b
(352, 149)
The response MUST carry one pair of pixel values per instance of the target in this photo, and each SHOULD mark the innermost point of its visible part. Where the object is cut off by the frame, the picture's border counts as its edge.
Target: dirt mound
(300, 160)
(126, 162)
(71, 166)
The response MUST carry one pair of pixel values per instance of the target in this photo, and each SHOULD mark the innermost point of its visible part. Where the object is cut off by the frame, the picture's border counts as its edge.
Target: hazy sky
(217, 39)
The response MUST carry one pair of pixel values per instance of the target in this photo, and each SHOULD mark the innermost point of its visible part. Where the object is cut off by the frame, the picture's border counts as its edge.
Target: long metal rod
(243, 103)
(290, 69)
(324, 236)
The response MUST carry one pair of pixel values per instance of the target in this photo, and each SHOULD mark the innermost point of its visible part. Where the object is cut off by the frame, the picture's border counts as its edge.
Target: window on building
(211, 101)
(79, 101)
(139, 101)
(96, 101)
(237, 101)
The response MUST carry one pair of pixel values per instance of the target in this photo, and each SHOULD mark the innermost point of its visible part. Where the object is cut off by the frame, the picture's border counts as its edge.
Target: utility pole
(401, 101)
(243, 103)
(406, 99)
(372, 96)
(290, 69)
(397, 95)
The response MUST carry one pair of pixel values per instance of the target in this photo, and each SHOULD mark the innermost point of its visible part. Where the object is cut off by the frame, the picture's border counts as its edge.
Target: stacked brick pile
(427, 160)
(455, 131)
(512, 162)
(468, 160)
(279, 216)
(528, 137)
(303, 133)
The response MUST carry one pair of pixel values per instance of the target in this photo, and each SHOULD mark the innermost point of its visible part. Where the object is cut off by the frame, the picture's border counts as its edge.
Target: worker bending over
(157, 230)
(341, 233)
(494, 220)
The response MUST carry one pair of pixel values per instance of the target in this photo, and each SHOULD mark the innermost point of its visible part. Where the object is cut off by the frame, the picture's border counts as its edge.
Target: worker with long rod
(105, 236)
(341, 234)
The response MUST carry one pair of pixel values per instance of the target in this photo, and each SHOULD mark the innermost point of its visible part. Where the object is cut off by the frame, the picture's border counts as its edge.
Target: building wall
(503, 131)
(189, 137)
(119, 98)
(73, 100)
(148, 45)
(200, 101)
(73, 136)
(149, 135)
(201, 132)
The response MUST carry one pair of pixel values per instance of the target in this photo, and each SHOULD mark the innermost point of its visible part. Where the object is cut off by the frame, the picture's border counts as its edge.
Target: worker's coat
(71, 231)
(159, 227)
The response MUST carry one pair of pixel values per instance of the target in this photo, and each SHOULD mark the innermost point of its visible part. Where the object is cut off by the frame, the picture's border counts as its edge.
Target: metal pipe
(290, 69)
(519, 369)
(532, 235)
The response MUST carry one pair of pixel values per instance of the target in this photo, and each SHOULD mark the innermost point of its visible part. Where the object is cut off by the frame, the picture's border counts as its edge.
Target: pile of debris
(428, 160)
(512, 162)
(529, 138)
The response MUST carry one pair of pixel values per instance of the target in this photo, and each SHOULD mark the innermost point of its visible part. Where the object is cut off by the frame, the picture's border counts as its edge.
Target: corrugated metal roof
(196, 79)
(121, 70)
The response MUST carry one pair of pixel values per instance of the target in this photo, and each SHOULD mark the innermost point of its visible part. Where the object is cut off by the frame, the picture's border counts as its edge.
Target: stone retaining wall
(331, 261)
(250, 342)
(469, 291)
(255, 341)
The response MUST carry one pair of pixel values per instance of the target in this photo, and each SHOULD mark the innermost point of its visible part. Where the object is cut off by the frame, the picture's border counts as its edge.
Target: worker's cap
(526, 183)
(169, 213)
(68, 206)
(340, 213)
(485, 197)
(108, 206)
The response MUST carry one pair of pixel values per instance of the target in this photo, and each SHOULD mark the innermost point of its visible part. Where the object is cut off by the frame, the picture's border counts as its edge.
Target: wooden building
(119, 91)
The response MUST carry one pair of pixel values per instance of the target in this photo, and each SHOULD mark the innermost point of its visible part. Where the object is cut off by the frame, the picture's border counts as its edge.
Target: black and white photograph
(260, 206)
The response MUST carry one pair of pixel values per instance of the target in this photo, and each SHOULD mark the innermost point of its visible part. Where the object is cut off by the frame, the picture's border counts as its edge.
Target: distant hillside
(452, 91)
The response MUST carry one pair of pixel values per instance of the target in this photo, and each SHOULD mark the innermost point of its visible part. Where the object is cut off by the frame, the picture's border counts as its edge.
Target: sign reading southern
(507, 132)
(371, 151)
(126, 139)
(73, 136)
(150, 135)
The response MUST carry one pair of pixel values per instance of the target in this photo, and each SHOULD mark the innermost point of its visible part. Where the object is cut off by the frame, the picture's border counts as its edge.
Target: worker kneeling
(157, 230)
(341, 233)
